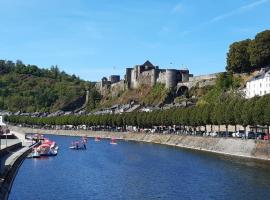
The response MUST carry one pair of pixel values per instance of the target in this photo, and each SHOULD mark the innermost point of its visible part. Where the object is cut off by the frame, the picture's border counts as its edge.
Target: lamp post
(6, 138)
(0, 137)
(1, 133)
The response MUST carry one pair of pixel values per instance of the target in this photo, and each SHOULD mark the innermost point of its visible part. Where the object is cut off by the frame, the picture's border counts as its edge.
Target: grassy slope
(144, 95)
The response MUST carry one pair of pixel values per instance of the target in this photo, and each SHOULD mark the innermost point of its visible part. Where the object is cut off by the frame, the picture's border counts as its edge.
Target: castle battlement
(145, 74)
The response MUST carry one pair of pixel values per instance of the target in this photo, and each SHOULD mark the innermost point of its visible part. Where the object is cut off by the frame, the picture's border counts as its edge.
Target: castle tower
(114, 78)
(128, 77)
(154, 74)
(171, 78)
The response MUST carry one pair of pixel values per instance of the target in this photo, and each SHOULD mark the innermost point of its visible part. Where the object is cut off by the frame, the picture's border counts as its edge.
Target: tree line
(28, 88)
(249, 55)
(231, 111)
(8, 66)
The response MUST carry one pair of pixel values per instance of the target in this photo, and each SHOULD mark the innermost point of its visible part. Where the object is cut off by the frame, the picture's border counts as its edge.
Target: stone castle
(145, 74)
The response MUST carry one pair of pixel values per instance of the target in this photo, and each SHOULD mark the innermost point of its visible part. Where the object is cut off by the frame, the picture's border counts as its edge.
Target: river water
(132, 170)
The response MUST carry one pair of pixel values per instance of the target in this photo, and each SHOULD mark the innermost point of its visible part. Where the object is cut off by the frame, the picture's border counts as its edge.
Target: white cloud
(240, 10)
(237, 11)
(177, 8)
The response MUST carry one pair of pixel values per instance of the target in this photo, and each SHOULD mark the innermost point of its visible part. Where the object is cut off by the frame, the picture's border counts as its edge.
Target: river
(132, 170)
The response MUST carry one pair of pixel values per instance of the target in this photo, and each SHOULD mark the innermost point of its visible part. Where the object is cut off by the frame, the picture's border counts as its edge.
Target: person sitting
(77, 145)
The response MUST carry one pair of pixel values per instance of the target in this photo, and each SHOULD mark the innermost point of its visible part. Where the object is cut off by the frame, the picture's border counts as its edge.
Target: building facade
(148, 74)
(258, 85)
(144, 75)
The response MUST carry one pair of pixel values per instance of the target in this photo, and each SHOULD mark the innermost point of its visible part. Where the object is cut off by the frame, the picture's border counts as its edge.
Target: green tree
(259, 50)
(238, 57)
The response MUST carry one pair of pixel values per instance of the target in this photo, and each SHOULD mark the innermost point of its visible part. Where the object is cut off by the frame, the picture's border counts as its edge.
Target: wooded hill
(28, 88)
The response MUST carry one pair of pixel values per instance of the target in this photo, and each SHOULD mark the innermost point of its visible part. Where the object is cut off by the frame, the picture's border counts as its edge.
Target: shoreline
(250, 149)
(13, 163)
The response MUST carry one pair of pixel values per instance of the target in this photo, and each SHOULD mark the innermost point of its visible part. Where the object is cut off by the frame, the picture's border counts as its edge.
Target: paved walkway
(9, 142)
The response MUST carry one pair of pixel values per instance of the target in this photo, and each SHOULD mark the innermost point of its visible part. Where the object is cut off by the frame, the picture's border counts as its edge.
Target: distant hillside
(145, 95)
(29, 88)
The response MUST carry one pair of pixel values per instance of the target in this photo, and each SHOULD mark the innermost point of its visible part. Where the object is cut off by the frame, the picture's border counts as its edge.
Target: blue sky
(96, 38)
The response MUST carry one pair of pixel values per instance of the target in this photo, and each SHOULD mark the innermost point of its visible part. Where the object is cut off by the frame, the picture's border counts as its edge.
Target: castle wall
(128, 76)
(162, 77)
(134, 75)
(171, 78)
(185, 77)
(145, 78)
(154, 77)
(204, 77)
(146, 74)
(114, 78)
(117, 88)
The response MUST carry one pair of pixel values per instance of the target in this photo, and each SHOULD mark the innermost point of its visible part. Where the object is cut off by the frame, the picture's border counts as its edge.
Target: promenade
(12, 153)
(8, 143)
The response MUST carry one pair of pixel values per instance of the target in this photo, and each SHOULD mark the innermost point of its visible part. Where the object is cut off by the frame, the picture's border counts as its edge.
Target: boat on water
(113, 141)
(46, 148)
(79, 145)
(77, 148)
(97, 139)
(35, 153)
(52, 144)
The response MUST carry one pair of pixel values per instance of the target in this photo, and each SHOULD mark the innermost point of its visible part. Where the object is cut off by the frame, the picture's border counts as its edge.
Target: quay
(12, 153)
(244, 148)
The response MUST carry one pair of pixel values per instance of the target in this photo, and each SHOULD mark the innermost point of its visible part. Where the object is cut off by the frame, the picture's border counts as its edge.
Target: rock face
(230, 146)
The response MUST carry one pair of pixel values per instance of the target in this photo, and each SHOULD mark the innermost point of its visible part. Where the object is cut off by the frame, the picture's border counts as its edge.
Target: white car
(213, 134)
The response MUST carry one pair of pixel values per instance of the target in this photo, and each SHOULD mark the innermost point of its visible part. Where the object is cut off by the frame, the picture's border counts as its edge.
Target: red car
(266, 137)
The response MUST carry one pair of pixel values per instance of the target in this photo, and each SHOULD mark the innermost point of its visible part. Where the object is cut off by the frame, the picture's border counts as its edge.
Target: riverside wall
(10, 171)
(255, 149)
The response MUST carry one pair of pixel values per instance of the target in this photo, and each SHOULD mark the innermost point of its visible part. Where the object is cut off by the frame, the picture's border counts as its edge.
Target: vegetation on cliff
(230, 110)
(249, 55)
(145, 94)
(221, 105)
(28, 88)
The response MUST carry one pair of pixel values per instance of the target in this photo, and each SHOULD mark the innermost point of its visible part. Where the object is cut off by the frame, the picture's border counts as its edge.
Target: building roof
(148, 64)
(265, 72)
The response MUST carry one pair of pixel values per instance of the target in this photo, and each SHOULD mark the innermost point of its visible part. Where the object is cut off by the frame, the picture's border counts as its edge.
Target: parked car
(213, 134)
(260, 136)
(238, 134)
(250, 135)
(266, 137)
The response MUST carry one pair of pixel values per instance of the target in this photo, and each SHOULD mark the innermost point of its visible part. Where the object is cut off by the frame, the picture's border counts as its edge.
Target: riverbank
(10, 165)
(255, 149)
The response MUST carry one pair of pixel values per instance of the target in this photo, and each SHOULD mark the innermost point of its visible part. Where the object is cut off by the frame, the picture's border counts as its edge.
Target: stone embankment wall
(10, 171)
(228, 146)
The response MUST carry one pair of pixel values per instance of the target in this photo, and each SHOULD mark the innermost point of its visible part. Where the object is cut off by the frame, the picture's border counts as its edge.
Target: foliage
(259, 50)
(145, 94)
(157, 94)
(249, 55)
(28, 88)
(238, 57)
(231, 111)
